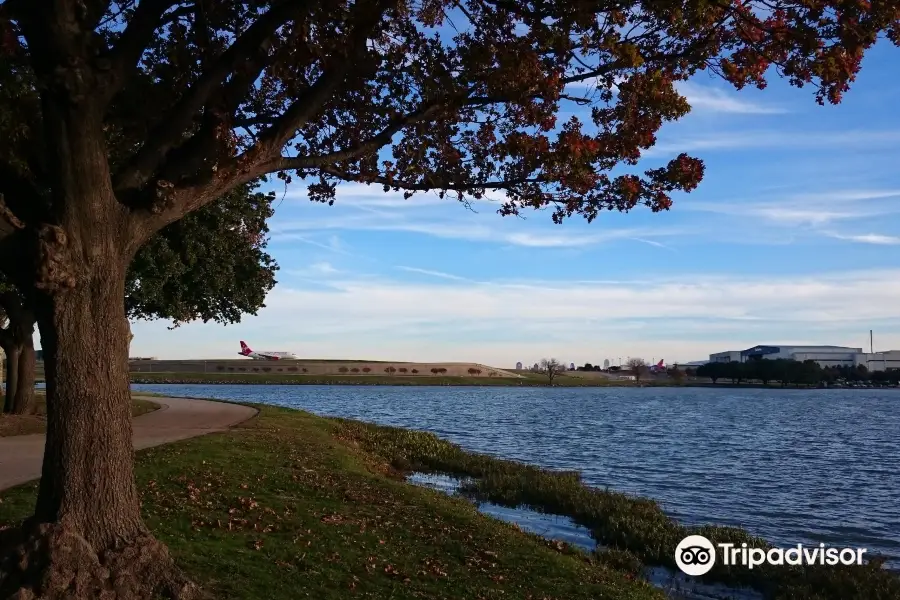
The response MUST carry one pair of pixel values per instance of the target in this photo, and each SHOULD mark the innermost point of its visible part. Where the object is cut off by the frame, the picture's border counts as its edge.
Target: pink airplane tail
(245, 349)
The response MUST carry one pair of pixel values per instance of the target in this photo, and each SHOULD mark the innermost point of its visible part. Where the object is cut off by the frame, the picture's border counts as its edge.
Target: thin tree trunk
(23, 399)
(12, 376)
(87, 481)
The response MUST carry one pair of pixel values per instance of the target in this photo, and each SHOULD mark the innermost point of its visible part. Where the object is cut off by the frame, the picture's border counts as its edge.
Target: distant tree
(637, 367)
(711, 370)
(442, 370)
(402, 369)
(676, 374)
(551, 368)
(366, 369)
(414, 371)
(343, 369)
(587, 367)
(472, 370)
(435, 370)
(735, 371)
(390, 370)
(690, 372)
(478, 371)
(354, 370)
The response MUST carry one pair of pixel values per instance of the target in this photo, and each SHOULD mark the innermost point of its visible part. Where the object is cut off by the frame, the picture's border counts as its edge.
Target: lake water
(792, 466)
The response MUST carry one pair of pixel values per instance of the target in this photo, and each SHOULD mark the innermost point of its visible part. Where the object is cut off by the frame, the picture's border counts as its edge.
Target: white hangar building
(825, 356)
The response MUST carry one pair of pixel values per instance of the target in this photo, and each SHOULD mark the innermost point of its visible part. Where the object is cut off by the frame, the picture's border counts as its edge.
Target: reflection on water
(792, 466)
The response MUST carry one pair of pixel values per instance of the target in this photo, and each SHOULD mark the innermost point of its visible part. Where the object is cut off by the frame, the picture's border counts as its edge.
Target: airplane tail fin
(245, 349)
(660, 363)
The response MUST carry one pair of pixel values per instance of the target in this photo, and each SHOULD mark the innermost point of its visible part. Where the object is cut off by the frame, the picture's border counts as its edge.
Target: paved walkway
(175, 419)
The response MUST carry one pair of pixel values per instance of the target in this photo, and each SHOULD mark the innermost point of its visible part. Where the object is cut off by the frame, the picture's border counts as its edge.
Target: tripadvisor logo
(695, 555)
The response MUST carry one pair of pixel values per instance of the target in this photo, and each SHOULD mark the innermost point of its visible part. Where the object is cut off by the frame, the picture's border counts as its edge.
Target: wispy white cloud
(500, 323)
(807, 209)
(782, 139)
(432, 273)
(360, 195)
(868, 238)
(707, 98)
(483, 230)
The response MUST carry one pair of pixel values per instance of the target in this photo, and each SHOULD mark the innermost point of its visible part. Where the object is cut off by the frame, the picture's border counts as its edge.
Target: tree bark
(87, 480)
(23, 398)
(12, 375)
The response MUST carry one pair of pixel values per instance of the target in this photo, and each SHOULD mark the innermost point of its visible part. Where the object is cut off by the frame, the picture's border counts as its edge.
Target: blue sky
(792, 237)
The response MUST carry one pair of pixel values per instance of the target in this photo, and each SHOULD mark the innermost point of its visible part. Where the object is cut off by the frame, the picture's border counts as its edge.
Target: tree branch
(301, 110)
(377, 141)
(430, 185)
(178, 121)
(122, 58)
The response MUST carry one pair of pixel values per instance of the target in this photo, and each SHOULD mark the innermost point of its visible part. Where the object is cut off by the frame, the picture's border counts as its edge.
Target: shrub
(354, 370)
(231, 368)
(402, 369)
(304, 369)
(220, 368)
(415, 370)
(292, 369)
(343, 369)
(242, 368)
(435, 370)
(472, 371)
(390, 370)
(442, 370)
(366, 369)
(256, 369)
(267, 369)
(280, 370)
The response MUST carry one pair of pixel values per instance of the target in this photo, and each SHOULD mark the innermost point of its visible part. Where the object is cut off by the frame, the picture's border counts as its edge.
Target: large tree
(138, 112)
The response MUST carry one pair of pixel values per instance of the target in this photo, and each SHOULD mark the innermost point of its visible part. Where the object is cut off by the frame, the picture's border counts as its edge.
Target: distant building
(519, 366)
(825, 356)
(571, 366)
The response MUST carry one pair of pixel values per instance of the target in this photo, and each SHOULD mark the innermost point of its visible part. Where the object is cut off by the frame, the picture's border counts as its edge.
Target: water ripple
(792, 466)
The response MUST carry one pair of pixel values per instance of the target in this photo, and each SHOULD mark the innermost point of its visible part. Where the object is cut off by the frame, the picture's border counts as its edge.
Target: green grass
(36, 422)
(281, 508)
(416, 380)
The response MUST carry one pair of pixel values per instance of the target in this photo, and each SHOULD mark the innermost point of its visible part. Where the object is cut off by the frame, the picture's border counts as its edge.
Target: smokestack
(871, 343)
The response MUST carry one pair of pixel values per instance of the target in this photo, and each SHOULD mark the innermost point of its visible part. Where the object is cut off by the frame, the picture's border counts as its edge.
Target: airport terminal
(825, 356)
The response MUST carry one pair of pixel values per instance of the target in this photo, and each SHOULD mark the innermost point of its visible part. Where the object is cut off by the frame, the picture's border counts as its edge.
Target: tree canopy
(459, 96)
(210, 265)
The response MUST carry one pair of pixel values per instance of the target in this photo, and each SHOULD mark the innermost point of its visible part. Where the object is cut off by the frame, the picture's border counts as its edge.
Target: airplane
(659, 367)
(246, 351)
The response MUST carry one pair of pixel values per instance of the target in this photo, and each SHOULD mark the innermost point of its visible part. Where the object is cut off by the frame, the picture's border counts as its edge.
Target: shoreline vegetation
(529, 380)
(292, 505)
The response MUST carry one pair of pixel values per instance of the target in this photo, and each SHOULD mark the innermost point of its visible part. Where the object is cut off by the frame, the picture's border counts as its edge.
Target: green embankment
(291, 505)
(36, 422)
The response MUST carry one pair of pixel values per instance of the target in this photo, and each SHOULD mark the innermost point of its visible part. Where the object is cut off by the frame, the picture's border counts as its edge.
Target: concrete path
(175, 419)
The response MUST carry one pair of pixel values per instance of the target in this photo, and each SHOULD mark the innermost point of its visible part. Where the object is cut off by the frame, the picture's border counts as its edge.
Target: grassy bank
(292, 505)
(283, 508)
(37, 422)
(413, 380)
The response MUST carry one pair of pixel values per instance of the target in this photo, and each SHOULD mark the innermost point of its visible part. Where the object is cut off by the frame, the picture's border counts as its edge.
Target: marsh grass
(630, 530)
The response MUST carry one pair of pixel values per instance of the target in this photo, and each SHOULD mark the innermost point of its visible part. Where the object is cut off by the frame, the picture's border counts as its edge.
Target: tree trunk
(12, 375)
(87, 481)
(23, 398)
